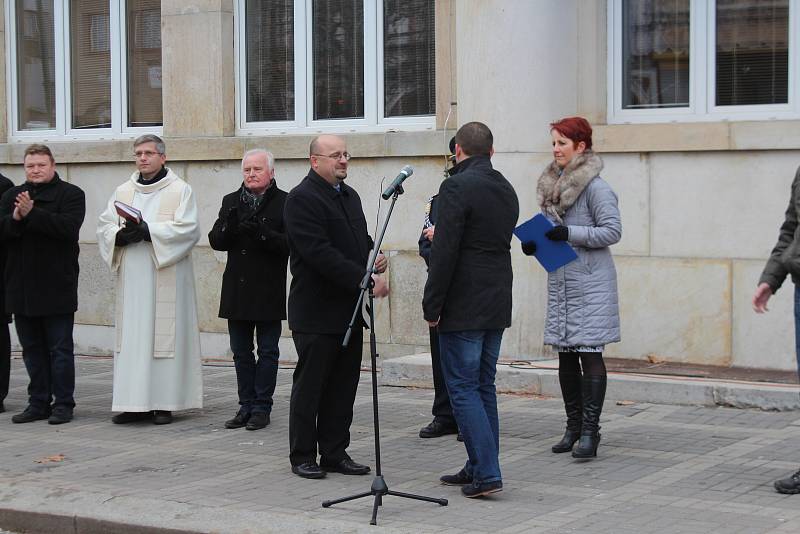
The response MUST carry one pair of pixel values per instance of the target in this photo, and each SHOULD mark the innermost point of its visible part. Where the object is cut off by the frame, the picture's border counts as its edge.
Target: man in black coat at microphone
(329, 247)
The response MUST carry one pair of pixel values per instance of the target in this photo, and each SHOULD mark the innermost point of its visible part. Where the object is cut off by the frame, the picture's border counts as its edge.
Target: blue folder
(551, 254)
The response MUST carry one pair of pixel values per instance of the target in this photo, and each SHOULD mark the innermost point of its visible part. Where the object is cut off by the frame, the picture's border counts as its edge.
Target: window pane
(338, 56)
(752, 52)
(269, 47)
(143, 22)
(408, 57)
(655, 54)
(90, 54)
(36, 86)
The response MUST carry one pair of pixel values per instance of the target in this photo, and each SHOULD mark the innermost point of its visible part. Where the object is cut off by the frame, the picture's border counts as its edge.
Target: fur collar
(557, 191)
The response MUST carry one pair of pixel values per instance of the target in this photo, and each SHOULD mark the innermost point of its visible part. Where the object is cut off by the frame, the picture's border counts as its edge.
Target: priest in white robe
(157, 367)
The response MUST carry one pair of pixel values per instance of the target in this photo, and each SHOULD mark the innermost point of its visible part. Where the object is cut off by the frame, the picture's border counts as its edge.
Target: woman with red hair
(582, 305)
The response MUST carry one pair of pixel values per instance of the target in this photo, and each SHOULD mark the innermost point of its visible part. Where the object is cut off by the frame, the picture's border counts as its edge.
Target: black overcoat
(5, 185)
(254, 282)
(469, 277)
(329, 247)
(41, 273)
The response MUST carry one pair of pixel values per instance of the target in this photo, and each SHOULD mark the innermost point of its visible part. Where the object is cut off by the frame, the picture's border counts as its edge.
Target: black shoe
(587, 446)
(2, 408)
(60, 415)
(130, 417)
(790, 485)
(162, 417)
(480, 489)
(258, 421)
(460, 436)
(238, 421)
(308, 470)
(347, 467)
(459, 479)
(30, 415)
(567, 442)
(436, 429)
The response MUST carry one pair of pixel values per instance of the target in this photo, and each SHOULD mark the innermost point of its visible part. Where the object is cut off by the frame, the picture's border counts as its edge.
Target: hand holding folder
(551, 254)
(129, 213)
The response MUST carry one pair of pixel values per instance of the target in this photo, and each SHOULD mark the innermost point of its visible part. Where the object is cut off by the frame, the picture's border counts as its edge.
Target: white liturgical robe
(157, 357)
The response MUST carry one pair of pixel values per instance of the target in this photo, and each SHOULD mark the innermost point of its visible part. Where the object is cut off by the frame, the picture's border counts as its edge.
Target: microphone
(405, 172)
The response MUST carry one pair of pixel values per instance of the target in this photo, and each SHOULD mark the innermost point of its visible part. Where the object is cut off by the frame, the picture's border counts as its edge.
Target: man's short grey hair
(267, 153)
(161, 148)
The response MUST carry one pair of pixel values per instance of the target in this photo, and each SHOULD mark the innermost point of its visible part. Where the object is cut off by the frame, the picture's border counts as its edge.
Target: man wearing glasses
(146, 234)
(329, 247)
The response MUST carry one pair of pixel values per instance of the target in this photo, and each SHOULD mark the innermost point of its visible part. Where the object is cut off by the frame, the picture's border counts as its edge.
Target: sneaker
(481, 489)
(29, 415)
(258, 421)
(789, 485)
(459, 479)
(60, 415)
(238, 421)
(436, 429)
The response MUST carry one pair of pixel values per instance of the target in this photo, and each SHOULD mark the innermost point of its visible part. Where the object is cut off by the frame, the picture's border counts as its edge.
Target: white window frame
(63, 80)
(303, 123)
(702, 74)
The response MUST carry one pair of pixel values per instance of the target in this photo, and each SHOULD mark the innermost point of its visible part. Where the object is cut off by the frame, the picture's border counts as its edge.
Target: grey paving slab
(661, 468)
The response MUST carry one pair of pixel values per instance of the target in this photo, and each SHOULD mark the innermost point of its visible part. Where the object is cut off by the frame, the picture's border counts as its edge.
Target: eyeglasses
(145, 154)
(337, 156)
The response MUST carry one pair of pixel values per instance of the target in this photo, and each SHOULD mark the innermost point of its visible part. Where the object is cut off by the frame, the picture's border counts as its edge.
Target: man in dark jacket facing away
(39, 224)
(250, 228)
(329, 248)
(468, 296)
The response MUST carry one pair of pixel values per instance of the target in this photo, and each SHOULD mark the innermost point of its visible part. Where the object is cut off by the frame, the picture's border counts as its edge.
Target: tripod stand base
(379, 489)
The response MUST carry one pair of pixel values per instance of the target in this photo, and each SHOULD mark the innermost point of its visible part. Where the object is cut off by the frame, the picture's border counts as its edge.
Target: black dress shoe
(308, 470)
(162, 417)
(347, 467)
(258, 421)
(789, 485)
(480, 489)
(436, 429)
(238, 421)
(459, 479)
(130, 417)
(60, 415)
(30, 415)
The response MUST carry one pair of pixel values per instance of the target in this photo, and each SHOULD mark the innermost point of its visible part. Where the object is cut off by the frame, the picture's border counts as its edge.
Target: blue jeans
(797, 326)
(469, 360)
(255, 380)
(48, 353)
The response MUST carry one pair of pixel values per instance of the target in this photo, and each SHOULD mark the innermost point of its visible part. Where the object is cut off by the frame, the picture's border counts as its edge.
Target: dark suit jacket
(254, 282)
(469, 279)
(41, 274)
(329, 247)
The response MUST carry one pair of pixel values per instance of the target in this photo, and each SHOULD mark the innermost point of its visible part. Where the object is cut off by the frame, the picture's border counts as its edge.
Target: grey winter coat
(582, 302)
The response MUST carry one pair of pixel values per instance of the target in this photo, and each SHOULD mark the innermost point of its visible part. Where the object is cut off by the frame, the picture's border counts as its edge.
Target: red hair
(576, 129)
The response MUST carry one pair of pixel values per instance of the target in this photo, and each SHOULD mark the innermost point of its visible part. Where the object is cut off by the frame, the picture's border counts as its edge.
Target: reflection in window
(90, 56)
(338, 58)
(36, 86)
(408, 44)
(269, 32)
(144, 62)
(655, 54)
(752, 52)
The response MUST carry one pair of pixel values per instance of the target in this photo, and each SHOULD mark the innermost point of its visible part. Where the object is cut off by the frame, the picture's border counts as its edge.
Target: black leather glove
(559, 233)
(232, 221)
(130, 233)
(529, 248)
(249, 227)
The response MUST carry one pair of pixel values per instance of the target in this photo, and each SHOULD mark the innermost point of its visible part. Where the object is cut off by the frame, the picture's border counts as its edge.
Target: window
(307, 65)
(84, 67)
(703, 60)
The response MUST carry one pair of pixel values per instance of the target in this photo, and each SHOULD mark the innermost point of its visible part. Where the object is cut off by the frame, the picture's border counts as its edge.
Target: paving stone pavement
(661, 468)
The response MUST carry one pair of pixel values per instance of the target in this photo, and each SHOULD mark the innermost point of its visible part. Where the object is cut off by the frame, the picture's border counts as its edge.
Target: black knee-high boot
(571, 391)
(594, 393)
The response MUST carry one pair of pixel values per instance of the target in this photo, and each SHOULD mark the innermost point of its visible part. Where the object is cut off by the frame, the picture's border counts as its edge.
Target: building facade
(695, 103)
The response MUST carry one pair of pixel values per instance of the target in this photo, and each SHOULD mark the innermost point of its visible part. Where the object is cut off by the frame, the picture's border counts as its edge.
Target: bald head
(328, 156)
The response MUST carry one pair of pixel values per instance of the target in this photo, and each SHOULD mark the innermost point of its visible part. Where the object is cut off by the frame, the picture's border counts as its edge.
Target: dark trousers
(255, 380)
(323, 391)
(49, 357)
(442, 411)
(5, 359)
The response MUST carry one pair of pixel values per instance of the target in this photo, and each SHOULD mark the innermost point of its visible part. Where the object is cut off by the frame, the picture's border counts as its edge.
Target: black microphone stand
(379, 487)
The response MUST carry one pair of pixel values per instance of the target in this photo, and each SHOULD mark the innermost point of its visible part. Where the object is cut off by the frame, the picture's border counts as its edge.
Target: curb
(541, 378)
